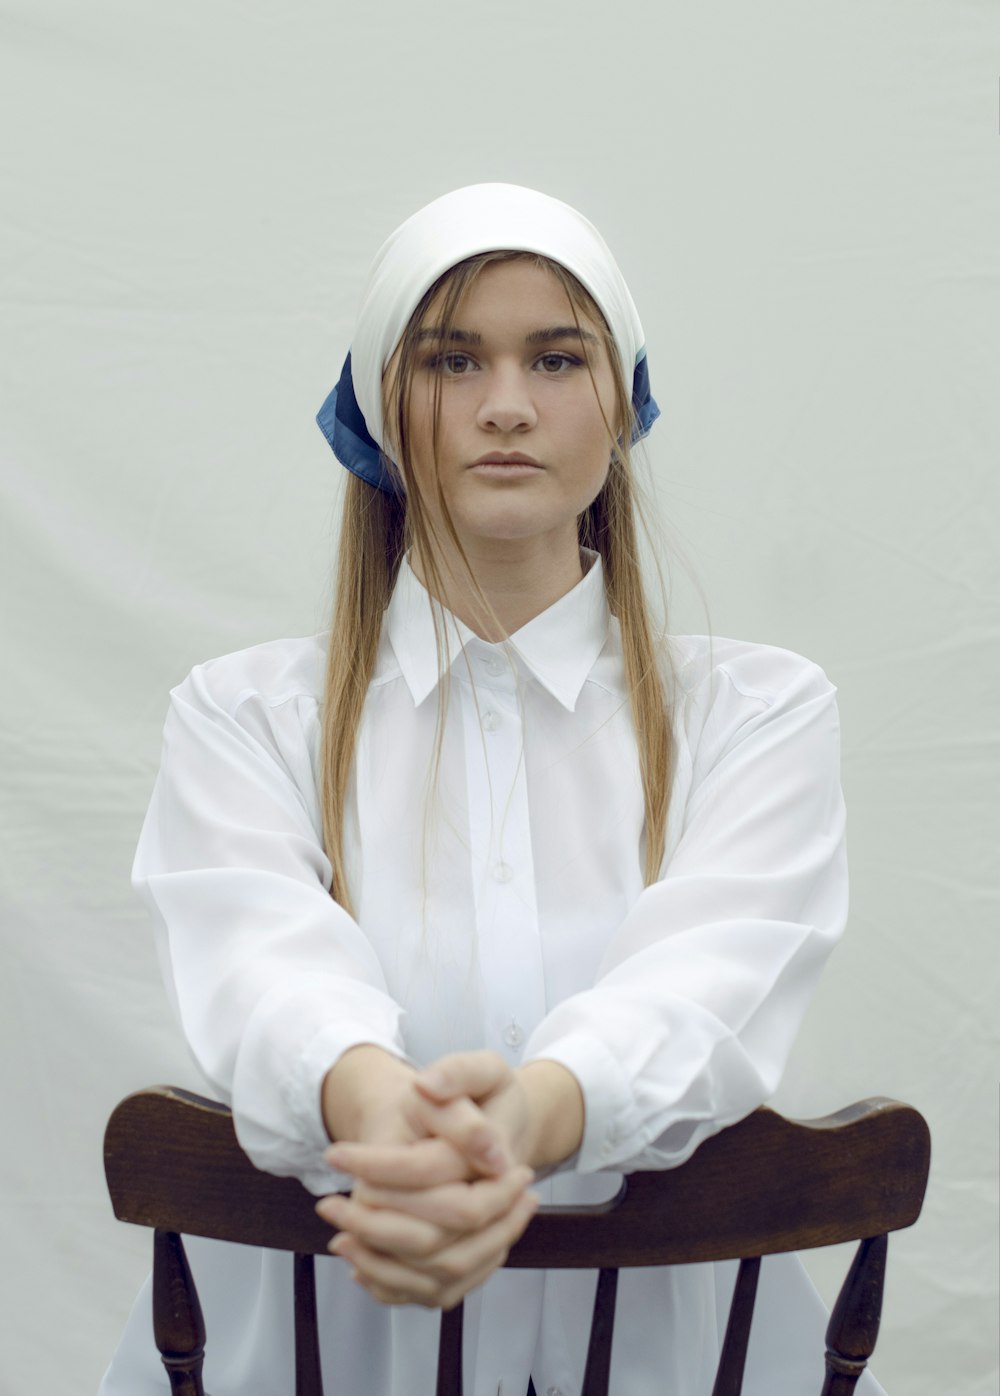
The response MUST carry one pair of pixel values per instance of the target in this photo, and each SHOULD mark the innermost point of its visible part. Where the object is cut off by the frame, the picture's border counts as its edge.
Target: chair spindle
(178, 1326)
(729, 1376)
(853, 1327)
(449, 1378)
(308, 1376)
(602, 1330)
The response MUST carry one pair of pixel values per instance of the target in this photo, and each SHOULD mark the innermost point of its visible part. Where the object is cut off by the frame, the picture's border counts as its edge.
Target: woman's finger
(441, 1280)
(399, 1234)
(456, 1262)
(466, 1128)
(444, 1299)
(450, 1211)
(457, 1207)
(423, 1164)
(455, 1131)
(473, 1074)
(386, 1278)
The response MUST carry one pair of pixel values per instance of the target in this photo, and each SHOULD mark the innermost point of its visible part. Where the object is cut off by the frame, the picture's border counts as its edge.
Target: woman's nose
(506, 404)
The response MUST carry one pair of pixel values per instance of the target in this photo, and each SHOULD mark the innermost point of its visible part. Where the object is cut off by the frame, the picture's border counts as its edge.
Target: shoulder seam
(744, 689)
(275, 700)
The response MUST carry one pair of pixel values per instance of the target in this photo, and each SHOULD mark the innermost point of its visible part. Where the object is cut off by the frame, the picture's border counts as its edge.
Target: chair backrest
(765, 1185)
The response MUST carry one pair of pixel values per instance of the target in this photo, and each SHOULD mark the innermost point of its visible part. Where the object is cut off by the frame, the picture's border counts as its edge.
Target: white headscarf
(478, 218)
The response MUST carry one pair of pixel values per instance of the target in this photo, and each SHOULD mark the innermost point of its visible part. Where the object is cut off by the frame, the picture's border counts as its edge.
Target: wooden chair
(765, 1185)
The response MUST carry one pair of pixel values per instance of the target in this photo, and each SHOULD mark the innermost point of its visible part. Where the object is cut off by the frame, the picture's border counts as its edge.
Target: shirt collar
(559, 647)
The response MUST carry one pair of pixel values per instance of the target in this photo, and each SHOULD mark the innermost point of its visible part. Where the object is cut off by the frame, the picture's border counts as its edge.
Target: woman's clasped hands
(442, 1161)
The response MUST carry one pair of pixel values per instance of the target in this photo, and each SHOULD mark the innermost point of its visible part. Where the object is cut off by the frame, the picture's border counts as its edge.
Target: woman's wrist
(358, 1088)
(367, 1082)
(556, 1113)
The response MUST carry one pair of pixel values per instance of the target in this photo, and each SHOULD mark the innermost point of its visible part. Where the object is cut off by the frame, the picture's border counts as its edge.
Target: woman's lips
(504, 465)
(505, 469)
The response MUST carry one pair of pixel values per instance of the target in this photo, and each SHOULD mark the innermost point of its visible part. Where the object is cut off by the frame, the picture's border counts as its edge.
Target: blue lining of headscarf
(342, 423)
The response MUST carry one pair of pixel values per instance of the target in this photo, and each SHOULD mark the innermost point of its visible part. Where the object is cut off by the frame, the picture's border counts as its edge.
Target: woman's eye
(557, 363)
(454, 365)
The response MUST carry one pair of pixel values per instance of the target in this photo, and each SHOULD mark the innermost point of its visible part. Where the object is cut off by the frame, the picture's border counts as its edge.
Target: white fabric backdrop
(805, 201)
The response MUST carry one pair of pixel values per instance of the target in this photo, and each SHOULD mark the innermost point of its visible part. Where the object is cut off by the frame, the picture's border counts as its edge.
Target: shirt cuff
(300, 1151)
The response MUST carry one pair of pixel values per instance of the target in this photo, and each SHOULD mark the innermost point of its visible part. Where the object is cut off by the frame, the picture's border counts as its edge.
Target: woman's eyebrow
(543, 336)
(546, 336)
(454, 336)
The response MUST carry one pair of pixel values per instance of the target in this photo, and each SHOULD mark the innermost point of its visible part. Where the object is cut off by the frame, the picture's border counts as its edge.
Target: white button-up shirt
(500, 906)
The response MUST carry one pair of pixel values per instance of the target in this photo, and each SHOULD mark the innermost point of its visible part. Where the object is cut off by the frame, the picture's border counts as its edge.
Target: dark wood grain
(172, 1160)
(764, 1186)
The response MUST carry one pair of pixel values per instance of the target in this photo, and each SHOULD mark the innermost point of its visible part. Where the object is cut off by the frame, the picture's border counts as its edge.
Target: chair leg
(178, 1327)
(853, 1327)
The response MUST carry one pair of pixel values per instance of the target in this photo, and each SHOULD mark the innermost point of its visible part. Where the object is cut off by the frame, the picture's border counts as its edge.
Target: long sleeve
(271, 979)
(704, 984)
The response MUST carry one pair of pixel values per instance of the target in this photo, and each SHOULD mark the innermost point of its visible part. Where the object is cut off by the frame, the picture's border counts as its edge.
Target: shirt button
(503, 872)
(513, 1036)
(553, 1391)
(492, 665)
(490, 721)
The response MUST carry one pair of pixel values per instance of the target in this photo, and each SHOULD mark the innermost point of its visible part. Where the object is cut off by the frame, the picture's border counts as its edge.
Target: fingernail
(435, 1080)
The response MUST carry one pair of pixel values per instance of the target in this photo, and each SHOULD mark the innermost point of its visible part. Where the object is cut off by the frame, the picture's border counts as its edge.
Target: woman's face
(523, 448)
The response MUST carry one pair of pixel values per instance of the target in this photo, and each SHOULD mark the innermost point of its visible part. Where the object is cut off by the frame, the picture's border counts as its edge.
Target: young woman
(495, 886)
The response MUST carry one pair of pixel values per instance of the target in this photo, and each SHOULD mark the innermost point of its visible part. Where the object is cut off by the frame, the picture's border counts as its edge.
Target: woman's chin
(517, 527)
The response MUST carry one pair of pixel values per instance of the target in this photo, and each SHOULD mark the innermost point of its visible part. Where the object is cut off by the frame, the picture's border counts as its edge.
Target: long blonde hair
(378, 528)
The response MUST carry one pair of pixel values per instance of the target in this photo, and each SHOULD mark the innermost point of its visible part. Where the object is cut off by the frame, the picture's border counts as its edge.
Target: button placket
(510, 955)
